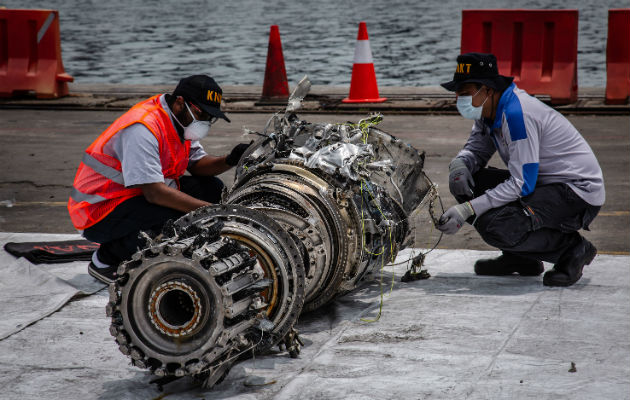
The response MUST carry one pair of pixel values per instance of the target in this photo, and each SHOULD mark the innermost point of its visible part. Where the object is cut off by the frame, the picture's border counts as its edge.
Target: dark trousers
(540, 226)
(118, 231)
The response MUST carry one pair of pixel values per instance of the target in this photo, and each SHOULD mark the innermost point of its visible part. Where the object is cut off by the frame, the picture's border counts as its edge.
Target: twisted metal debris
(315, 209)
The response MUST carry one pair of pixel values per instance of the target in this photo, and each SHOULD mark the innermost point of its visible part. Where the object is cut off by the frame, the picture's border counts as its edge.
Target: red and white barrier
(30, 54)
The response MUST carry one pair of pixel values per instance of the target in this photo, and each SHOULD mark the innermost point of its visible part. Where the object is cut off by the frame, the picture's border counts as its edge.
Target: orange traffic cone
(275, 86)
(363, 87)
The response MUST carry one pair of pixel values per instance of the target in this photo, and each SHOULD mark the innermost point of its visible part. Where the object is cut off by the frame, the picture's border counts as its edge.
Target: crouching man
(552, 187)
(131, 178)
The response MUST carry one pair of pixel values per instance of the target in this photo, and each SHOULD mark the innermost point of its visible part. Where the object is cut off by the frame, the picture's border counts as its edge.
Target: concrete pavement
(321, 99)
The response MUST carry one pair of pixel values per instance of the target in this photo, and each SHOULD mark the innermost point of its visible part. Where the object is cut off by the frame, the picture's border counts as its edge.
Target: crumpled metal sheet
(347, 159)
(380, 158)
(342, 149)
(295, 100)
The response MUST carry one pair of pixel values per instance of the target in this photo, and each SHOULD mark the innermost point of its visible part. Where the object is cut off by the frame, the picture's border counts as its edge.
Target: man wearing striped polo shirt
(553, 185)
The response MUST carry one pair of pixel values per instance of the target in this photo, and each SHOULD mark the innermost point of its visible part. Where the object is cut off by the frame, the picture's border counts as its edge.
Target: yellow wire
(380, 285)
(391, 256)
(391, 244)
(364, 126)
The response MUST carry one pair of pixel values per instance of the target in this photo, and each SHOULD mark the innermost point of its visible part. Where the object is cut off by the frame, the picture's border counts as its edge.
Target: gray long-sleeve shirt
(538, 145)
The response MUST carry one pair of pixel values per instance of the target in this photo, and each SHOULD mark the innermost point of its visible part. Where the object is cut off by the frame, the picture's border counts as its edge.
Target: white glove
(454, 218)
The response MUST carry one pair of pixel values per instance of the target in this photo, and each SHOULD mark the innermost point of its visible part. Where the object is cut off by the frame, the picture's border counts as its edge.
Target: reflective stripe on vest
(105, 170)
(100, 168)
(88, 198)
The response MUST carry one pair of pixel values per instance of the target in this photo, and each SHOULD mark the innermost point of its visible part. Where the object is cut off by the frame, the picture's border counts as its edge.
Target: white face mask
(466, 108)
(196, 130)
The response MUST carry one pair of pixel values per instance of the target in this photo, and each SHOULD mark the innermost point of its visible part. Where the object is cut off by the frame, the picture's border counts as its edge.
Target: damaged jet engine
(315, 209)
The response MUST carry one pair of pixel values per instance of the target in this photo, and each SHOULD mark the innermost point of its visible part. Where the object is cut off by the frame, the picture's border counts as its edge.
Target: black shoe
(568, 269)
(507, 264)
(106, 275)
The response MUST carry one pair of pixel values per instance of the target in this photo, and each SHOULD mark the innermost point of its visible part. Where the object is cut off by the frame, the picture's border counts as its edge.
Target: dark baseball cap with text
(204, 92)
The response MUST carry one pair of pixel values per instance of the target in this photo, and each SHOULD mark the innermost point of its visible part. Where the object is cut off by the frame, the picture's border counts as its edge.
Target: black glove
(235, 155)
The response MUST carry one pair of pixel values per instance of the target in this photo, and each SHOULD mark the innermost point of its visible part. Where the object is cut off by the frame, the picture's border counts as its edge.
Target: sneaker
(106, 275)
(507, 264)
(568, 269)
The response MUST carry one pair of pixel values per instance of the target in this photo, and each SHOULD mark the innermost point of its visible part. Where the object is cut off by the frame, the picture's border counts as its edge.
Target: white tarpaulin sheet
(456, 335)
(31, 292)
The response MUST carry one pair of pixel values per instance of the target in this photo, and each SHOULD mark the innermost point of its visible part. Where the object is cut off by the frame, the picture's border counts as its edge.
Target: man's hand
(454, 218)
(460, 180)
(162, 195)
(235, 155)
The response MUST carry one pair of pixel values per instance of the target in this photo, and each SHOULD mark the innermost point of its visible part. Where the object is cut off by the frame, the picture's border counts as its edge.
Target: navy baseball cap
(204, 92)
(478, 68)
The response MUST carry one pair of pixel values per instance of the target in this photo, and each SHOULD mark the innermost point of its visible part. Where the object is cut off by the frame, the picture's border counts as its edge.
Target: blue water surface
(414, 43)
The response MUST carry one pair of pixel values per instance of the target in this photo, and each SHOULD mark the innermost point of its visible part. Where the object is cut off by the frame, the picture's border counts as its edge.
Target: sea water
(414, 43)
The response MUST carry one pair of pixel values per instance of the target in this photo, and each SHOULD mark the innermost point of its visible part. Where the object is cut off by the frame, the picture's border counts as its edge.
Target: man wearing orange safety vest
(131, 177)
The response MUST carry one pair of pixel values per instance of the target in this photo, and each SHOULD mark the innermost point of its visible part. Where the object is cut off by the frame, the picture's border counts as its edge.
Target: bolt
(113, 289)
(136, 354)
(114, 330)
(110, 308)
(115, 298)
(122, 338)
(124, 349)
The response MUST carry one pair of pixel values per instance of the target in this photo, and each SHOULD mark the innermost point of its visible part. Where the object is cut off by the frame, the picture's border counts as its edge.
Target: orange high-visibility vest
(99, 185)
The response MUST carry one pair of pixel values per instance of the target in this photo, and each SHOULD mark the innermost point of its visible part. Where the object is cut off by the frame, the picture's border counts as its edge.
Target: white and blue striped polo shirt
(538, 145)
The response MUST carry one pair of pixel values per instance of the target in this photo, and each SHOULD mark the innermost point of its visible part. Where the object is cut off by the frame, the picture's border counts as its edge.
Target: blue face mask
(466, 108)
